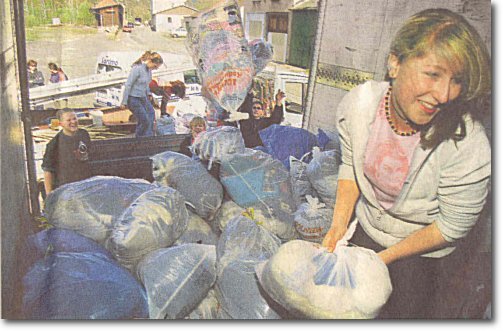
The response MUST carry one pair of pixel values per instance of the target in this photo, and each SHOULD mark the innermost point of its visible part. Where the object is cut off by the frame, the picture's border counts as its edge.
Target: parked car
(128, 27)
(180, 32)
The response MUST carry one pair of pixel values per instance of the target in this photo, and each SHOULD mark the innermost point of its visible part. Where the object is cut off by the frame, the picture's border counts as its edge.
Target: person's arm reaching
(422, 241)
(347, 195)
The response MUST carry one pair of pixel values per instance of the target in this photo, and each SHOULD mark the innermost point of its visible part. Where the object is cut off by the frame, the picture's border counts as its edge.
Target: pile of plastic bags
(179, 248)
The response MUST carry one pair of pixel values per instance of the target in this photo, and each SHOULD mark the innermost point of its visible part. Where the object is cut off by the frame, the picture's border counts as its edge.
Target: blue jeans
(145, 115)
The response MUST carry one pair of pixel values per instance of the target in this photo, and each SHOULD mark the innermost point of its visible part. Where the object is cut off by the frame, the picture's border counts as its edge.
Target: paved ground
(77, 53)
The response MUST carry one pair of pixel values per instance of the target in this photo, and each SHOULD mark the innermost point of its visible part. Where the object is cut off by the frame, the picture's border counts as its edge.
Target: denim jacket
(447, 184)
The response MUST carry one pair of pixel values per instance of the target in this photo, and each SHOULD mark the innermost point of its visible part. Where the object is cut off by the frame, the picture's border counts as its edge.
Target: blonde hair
(198, 120)
(451, 36)
(61, 112)
(144, 57)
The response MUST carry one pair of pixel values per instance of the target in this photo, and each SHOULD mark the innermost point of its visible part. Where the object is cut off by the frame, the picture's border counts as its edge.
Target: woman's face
(422, 85)
(152, 66)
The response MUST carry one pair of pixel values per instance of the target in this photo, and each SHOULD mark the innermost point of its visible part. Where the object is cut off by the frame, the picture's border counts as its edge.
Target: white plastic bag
(351, 282)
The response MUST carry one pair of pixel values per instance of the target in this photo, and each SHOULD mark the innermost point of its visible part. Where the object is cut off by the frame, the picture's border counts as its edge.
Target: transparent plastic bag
(155, 220)
(217, 144)
(208, 309)
(313, 219)
(197, 232)
(222, 55)
(301, 187)
(177, 279)
(241, 247)
(227, 211)
(88, 206)
(323, 172)
(166, 125)
(201, 190)
(255, 179)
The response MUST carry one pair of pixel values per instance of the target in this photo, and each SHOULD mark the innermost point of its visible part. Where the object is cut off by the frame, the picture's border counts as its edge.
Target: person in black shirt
(67, 154)
(257, 121)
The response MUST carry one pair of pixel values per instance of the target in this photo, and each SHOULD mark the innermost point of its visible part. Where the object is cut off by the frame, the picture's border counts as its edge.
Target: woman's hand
(332, 237)
(280, 97)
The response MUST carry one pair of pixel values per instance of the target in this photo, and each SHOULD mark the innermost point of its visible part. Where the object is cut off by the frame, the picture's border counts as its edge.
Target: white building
(173, 18)
(161, 5)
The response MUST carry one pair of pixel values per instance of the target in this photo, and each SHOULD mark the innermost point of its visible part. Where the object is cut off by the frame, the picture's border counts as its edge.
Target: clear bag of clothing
(208, 309)
(177, 279)
(313, 220)
(217, 144)
(201, 190)
(197, 232)
(82, 286)
(240, 248)
(323, 172)
(308, 281)
(255, 179)
(262, 52)
(166, 125)
(227, 211)
(301, 186)
(155, 220)
(88, 206)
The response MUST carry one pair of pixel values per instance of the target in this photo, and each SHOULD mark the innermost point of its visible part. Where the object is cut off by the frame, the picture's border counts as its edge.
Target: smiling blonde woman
(416, 162)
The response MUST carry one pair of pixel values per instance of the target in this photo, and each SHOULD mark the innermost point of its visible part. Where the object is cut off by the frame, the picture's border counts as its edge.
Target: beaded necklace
(390, 121)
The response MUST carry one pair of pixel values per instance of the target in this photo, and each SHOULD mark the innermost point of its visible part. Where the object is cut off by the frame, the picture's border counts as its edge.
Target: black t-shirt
(67, 157)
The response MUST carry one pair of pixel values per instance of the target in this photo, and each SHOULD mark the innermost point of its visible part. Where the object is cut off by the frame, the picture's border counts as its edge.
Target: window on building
(277, 22)
(170, 20)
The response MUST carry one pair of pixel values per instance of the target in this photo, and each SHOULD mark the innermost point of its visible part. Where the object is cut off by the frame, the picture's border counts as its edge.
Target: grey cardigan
(137, 83)
(447, 184)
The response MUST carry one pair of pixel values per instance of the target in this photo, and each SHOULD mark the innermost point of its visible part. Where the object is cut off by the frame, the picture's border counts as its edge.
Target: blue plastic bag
(54, 240)
(82, 286)
(284, 141)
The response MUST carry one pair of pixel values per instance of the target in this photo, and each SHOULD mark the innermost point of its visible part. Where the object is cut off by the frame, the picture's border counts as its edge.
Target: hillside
(76, 12)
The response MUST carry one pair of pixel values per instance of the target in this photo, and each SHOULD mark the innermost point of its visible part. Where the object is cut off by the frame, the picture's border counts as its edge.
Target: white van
(122, 61)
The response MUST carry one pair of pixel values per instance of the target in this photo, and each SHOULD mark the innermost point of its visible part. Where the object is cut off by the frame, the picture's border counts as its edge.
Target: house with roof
(173, 18)
(157, 6)
(108, 13)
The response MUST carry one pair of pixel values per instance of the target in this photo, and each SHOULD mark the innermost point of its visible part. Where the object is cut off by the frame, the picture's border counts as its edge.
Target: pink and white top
(387, 159)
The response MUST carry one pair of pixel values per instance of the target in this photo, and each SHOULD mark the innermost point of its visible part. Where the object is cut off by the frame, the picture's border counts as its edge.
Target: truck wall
(15, 218)
(354, 41)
